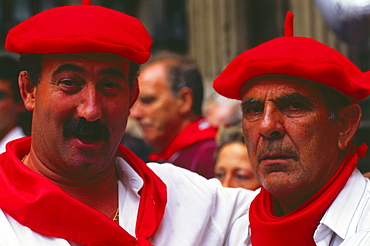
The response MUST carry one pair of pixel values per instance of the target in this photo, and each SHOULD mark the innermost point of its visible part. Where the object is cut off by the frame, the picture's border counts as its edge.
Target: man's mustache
(83, 129)
(276, 148)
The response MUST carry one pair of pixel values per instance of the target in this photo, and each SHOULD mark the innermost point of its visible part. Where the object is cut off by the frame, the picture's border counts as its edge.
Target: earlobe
(350, 118)
(27, 90)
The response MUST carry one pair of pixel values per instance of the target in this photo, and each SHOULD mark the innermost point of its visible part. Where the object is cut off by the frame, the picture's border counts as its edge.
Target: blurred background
(213, 32)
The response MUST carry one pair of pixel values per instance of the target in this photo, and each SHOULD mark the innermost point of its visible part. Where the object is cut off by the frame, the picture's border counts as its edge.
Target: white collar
(15, 133)
(339, 216)
(128, 176)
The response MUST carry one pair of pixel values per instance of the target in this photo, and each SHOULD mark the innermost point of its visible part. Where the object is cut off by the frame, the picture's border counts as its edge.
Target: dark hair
(32, 63)
(9, 71)
(182, 72)
(227, 135)
(334, 100)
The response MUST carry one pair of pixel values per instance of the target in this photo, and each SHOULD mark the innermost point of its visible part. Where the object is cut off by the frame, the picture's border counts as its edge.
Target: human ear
(134, 93)
(185, 100)
(27, 90)
(349, 118)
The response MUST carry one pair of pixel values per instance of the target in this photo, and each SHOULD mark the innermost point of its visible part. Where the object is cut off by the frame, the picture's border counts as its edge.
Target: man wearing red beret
(169, 113)
(299, 117)
(71, 183)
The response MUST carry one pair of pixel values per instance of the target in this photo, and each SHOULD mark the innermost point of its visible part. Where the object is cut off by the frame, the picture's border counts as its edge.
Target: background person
(221, 111)
(233, 167)
(11, 104)
(169, 112)
(299, 117)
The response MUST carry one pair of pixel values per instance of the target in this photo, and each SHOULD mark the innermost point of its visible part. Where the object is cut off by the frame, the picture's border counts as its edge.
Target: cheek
(251, 138)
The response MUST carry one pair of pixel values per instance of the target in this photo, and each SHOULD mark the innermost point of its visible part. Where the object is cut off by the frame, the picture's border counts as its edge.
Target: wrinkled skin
(294, 146)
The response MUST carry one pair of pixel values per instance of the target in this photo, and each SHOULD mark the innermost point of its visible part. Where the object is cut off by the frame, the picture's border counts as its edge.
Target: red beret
(295, 56)
(81, 28)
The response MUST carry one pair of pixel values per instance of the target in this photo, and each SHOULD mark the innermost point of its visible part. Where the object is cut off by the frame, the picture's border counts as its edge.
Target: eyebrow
(78, 69)
(68, 67)
(295, 97)
(285, 98)
(112, 71)
(249, 101)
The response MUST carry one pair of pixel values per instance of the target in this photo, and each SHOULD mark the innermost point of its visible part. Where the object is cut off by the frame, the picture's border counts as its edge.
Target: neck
(184, 122)
(99, 191)
(288, 202)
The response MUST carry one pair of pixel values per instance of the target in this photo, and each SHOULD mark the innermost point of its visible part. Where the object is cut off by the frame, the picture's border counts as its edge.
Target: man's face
(9, 109)
(156, 109)
(292, 143)
(80, 110)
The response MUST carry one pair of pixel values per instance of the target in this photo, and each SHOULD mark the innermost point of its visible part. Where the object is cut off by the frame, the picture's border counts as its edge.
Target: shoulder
(173, 175)
(180, 180)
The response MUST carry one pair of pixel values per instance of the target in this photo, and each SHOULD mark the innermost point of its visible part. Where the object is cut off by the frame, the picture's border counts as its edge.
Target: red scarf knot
(142, 241)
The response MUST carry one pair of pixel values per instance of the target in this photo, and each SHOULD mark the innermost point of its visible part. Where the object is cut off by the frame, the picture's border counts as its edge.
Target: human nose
(136, 111)
(90, 107)
(271, 123)
(228, 181)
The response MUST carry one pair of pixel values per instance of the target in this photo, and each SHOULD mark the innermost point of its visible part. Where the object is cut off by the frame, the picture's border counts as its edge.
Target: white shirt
(198, 212)
(15, 133)
(345, 223)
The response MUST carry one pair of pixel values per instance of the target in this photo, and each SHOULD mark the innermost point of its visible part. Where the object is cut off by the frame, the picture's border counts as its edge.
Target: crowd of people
(268, 161)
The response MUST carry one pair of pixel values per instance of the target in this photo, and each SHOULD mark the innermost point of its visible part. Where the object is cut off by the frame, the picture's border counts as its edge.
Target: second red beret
(295, 56)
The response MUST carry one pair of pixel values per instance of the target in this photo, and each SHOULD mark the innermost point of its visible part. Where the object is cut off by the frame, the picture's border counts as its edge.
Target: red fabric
(288, 25)
(37, 203)
(81, 28)
(298, 227)
(195, 132)
(295, 56)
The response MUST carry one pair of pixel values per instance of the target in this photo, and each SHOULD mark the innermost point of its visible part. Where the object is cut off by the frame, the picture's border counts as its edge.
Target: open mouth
(87, 137)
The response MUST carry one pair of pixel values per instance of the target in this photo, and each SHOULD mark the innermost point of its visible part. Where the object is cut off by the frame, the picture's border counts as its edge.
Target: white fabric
(199, 212)
(15, 133)
(345, 223)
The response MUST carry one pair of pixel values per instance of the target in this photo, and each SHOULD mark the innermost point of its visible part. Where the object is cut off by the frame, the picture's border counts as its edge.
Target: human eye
(69, 85)
(111, 87)
(146, 100)
(3, 95)
(252, 109)
(242, 177)
(219, 175)
(296, 105)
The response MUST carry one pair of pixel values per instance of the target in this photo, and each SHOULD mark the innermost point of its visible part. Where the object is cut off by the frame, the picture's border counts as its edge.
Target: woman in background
(232, 166)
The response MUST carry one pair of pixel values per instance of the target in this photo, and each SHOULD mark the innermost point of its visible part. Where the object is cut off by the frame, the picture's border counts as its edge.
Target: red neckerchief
(37, 203)
(298, 227)
(193, 133)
